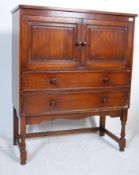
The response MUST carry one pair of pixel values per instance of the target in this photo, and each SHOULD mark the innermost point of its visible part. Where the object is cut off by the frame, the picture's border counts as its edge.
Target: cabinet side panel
(15, 60)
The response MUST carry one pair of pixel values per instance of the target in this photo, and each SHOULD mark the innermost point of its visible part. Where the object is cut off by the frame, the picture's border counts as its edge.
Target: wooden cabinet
(70, 64)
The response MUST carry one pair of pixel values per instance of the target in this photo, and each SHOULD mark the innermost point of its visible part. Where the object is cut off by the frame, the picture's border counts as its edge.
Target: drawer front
(40, 81)
(46, 103)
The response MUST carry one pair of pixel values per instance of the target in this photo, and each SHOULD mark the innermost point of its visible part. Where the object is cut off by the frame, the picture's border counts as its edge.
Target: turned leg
(15, 127)
(102, 125)
(23, 154)
(122, 142)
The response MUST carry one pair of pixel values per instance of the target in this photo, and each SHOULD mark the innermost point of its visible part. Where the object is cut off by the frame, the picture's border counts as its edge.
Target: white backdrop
(6, 59)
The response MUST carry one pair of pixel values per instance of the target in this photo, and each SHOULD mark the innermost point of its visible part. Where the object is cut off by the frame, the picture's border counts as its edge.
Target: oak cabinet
(70, 64)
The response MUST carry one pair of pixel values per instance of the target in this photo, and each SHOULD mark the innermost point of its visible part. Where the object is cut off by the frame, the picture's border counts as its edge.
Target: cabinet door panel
(109, 43)
(51, 42)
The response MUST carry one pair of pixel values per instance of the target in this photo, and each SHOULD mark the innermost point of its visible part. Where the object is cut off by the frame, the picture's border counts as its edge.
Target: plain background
(129, 6)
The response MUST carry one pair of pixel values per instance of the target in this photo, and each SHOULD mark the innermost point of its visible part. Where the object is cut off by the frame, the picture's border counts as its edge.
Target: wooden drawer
(40, 81)
(45, 103)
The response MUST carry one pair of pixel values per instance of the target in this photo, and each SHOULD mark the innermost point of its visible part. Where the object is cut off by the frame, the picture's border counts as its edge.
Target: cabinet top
(34, 7)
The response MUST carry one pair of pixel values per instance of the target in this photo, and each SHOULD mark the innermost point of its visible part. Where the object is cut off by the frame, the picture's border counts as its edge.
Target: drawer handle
(52, 103)
(53, 81)
(78, 43)
(104, 100)
(106, 80)
(84, 43)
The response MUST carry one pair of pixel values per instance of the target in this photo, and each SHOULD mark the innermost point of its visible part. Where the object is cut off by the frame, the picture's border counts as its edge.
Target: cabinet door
(107, 44)
(50, 42)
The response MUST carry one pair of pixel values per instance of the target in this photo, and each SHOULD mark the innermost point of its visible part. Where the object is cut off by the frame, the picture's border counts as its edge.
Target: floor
(81, 154)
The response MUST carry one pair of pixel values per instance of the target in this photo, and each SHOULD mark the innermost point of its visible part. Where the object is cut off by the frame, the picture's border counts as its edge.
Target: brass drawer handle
(53, 81)
(104, 100)
(106, 80)
(52, 103)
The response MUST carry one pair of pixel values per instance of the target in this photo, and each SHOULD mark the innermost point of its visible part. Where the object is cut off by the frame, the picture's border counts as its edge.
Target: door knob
(84, 43)
(78, 43)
